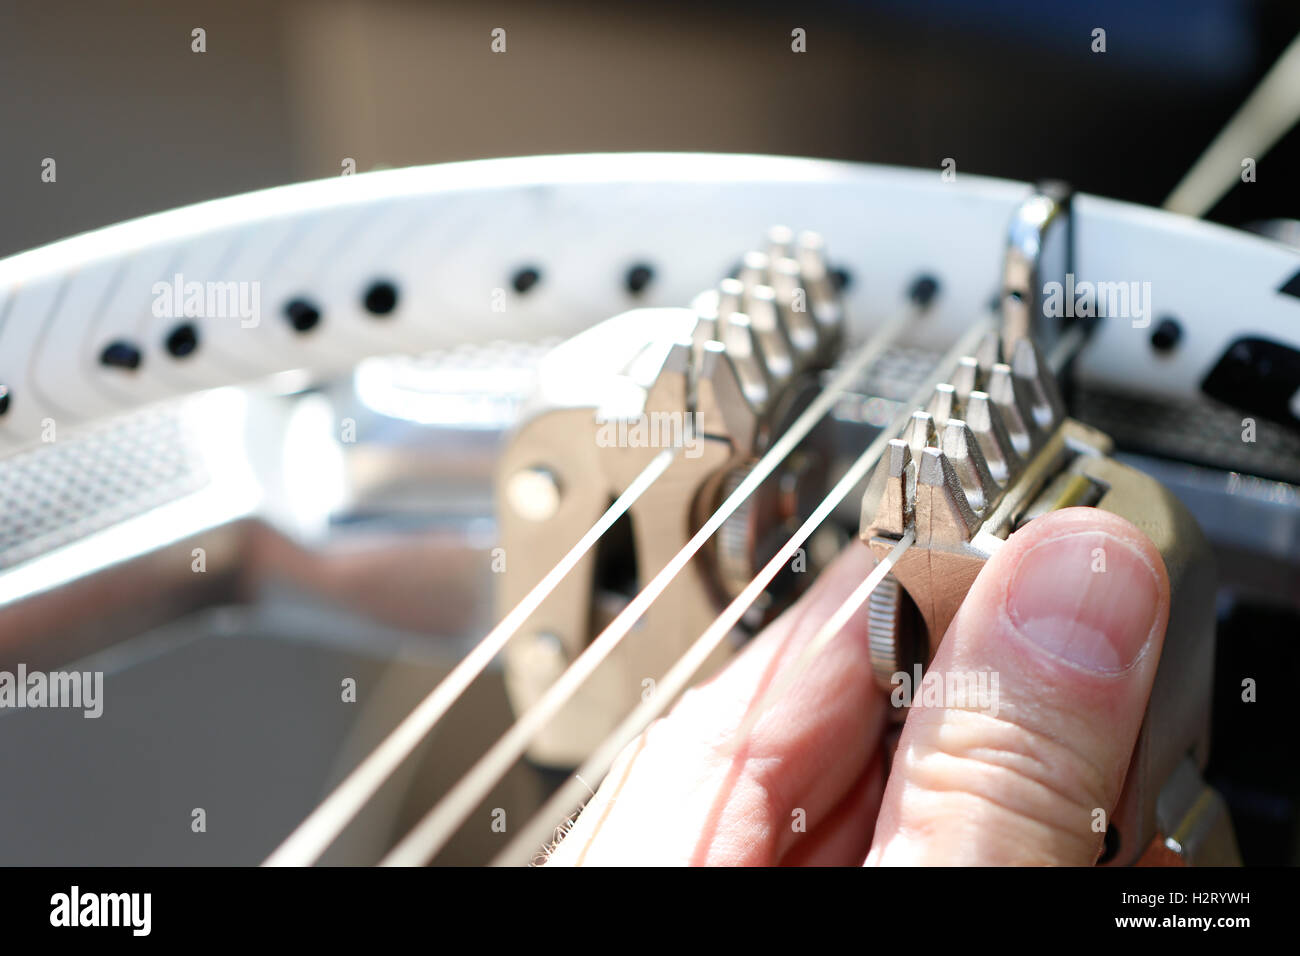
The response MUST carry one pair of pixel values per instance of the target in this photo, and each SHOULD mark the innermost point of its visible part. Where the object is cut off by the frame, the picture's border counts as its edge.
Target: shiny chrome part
(1039, 250)
(720, 403)
(1194, 821)
(730, 296)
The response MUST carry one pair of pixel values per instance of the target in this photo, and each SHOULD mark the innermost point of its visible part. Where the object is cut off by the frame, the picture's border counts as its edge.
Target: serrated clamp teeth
(720, 397)
(1028, 367)
(780, 242)
(943, 405)
(985, 421)
(824, 300)
(894, 513)
(988, 352)
(792, 304)
(966, 378)
(778, 358)
(1009, 395)
(753, 269)
(785, 311)
(974, 438)
(943, 512)
(921, 432)
(742, 349)
(961, 448)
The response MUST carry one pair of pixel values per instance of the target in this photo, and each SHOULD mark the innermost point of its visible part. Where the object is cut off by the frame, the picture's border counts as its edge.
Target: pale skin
(1070, 614)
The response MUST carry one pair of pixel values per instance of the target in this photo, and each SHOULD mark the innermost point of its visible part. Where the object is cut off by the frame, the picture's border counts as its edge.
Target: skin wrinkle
(709, 832)
(846, 832)
(1026, 737)
(1036, 715)
(925, 777)
(1028, 716)
(934, 828)
(766, 770)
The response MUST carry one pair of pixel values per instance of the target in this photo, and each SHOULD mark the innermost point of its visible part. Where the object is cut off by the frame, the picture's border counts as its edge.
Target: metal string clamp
(993, 449)
(722, 381)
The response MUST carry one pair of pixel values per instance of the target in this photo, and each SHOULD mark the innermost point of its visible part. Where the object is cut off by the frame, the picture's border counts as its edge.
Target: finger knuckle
(1015, 776)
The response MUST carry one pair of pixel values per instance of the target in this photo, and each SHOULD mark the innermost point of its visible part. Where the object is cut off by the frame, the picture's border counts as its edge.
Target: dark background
(287, 88)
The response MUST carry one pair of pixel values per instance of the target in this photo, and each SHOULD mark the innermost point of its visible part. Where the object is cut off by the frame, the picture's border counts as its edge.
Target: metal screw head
(542, 658)
(534, 493)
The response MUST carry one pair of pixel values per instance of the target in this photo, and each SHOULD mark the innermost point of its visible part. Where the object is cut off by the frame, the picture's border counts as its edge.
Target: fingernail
(1088, 598)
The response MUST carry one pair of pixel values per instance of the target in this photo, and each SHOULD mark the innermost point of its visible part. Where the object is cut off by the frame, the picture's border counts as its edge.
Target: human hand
(1074, 650)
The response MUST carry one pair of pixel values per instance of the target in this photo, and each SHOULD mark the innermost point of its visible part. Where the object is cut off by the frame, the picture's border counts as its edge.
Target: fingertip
(1086, 587)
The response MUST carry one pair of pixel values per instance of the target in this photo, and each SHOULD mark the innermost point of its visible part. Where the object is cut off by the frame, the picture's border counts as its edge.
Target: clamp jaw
(717, 383)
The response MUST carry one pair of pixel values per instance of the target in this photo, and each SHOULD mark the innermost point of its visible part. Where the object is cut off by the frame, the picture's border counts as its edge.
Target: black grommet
(638, 277)
(182, 340)
(381, 297)
(1166, 334)
(120, 354)
(302, 315)
(923, 289)
(4, 399)
(842, 278)
(525, 279)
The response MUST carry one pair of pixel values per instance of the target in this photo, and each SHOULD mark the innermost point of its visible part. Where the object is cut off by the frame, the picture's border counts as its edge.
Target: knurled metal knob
(894, 631)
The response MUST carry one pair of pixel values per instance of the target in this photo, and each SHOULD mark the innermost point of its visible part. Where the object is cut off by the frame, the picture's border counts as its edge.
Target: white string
(531, 836)
(437, 826)
(1270, 110)
(323, 825)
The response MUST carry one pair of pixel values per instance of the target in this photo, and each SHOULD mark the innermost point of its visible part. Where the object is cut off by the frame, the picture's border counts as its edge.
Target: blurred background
(288, 89)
